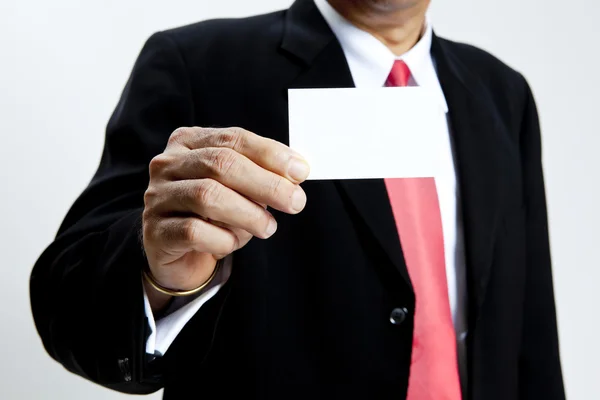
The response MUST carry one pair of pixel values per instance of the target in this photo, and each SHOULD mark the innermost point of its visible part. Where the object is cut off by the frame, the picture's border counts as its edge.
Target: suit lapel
(308, 38)
(478, 147)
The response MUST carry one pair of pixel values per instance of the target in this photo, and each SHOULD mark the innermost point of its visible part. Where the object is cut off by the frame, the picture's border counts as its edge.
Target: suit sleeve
(540, 375)
(85, 289)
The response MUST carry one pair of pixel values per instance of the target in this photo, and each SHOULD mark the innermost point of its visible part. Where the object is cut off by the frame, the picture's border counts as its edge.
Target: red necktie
(434, 364)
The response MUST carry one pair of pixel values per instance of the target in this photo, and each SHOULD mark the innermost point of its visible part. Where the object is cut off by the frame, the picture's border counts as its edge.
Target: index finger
(267, 153)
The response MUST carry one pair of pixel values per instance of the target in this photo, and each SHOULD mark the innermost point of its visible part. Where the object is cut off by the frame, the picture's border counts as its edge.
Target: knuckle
(220, 161)
(189, 231)
(227, 138)
(275, 187)
(150, 196)
(158, 164)
(207, 193)
(239, 137)
(146, 217)
(179, 135)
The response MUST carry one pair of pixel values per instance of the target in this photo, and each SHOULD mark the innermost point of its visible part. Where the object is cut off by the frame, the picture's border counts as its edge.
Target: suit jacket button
(398, 315)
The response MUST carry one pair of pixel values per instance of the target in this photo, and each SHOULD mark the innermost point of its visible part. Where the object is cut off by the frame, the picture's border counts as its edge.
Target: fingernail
(298, 169)
(271, 228)
(298, 199)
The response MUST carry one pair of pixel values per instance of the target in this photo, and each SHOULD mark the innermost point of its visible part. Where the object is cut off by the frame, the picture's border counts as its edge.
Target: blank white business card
(356, 133)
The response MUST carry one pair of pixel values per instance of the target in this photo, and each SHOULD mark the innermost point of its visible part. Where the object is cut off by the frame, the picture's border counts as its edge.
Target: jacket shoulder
(480, 61)
(227, 34)
(489, 69)
(504, 86)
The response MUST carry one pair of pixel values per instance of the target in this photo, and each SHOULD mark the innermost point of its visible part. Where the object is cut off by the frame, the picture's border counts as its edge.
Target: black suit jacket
(305, 314)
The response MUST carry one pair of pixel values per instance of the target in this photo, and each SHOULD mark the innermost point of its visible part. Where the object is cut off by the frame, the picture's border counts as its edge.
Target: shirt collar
(370, 61)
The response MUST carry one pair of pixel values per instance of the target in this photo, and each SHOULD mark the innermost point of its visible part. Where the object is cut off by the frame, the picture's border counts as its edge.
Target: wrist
(158, 301)
(150, 281)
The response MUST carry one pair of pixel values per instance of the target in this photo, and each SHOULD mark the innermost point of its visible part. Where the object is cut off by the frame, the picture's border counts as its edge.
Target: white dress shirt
(370, 63)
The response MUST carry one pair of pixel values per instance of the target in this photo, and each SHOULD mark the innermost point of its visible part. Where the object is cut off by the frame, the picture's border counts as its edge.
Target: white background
(63, 64)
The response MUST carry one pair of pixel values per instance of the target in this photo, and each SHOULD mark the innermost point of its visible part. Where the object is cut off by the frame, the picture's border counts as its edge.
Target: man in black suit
(325, 308)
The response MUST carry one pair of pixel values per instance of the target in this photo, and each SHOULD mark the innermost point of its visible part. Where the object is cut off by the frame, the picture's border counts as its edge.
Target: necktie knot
(399, 74)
